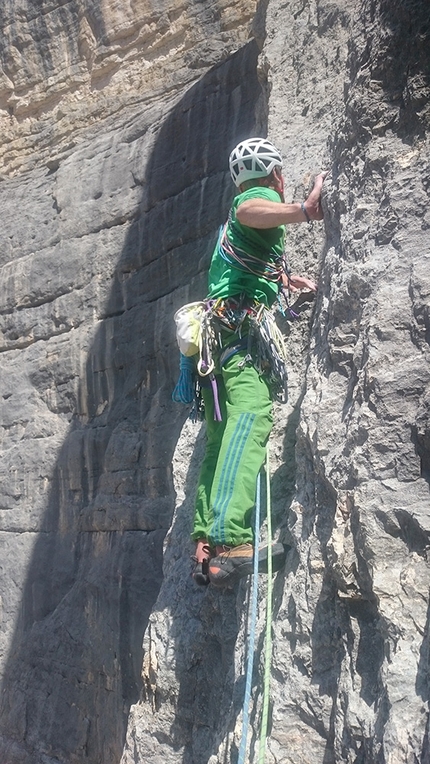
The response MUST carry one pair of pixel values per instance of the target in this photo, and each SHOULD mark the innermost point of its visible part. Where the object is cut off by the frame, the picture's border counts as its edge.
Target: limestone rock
(68, 65)
(117, 120)
(350, 639)
(90, 248)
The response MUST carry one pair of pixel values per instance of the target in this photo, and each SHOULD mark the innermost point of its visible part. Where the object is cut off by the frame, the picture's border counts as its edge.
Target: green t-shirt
(226, 280)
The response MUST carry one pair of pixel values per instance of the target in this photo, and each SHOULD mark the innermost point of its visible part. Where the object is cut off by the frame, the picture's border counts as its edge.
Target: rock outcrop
(117, 120)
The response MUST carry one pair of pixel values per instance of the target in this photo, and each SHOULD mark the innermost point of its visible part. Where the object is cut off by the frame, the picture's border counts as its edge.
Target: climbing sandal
(201, 568)
(201, 572)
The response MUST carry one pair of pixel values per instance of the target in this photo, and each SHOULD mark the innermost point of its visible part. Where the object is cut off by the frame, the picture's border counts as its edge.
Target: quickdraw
(271, 357)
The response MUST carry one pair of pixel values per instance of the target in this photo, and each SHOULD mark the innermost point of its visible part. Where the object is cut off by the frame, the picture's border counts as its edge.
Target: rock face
(67, 65)
(117, 120)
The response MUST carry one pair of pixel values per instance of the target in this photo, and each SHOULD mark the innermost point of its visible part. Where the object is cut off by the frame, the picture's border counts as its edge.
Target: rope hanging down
(268, 645)
(251, 640)
(252, 630)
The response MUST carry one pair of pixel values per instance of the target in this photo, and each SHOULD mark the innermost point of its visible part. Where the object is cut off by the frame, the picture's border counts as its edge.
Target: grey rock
(111, 197)
(350, 639)
(89, 361)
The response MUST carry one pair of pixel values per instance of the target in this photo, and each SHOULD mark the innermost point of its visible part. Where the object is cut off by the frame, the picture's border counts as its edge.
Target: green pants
(235, 452)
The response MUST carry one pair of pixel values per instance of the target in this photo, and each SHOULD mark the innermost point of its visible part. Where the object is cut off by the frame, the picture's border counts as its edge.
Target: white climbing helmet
(253, 158)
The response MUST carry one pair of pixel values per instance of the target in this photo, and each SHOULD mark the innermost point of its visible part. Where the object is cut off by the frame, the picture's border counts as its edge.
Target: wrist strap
(305, 212)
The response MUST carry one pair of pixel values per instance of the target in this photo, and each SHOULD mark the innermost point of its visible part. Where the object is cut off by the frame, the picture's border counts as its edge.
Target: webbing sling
(251, 639)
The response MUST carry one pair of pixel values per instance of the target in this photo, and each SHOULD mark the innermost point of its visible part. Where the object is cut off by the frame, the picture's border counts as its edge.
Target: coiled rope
(269, 266)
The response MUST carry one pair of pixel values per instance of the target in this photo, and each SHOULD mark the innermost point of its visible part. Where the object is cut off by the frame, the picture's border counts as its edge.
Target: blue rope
(184, 390)
(268, 646)
(251, 640)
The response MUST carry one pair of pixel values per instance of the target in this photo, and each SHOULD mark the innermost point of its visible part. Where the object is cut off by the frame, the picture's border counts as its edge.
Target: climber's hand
(313, 202)
(294, 283)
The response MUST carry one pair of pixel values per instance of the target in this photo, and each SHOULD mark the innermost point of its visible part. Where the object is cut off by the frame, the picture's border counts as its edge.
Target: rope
(268, 645)
(251, 640)
(268, 269)
(271, 352)
(184, 390)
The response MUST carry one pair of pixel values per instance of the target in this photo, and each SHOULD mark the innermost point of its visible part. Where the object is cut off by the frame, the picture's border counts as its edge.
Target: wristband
(305, 212)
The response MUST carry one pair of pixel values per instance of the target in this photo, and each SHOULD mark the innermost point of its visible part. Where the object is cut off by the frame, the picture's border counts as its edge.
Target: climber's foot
(235, 562)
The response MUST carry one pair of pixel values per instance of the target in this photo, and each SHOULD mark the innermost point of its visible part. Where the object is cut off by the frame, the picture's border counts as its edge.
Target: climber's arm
(262, 213)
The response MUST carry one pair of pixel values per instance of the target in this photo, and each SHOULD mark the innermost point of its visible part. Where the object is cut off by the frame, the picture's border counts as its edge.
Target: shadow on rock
(191, 639)
(192, 690)
(74, 667)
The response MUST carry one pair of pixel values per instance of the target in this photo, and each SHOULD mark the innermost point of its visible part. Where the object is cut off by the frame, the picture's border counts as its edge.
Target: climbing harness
(251, 327)
(256, 331)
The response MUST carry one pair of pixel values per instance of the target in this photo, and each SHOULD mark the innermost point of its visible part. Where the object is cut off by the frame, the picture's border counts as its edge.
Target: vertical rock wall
(356, 611)
(116, 124)
(349, 89)
(103, 236)
(67, 65)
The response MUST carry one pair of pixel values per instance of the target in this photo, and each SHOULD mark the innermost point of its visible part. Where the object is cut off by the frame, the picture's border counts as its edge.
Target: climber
(247, 270)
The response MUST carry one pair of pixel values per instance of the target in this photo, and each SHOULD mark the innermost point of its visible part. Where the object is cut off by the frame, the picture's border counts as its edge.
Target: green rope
(251, 639)
(268, 645)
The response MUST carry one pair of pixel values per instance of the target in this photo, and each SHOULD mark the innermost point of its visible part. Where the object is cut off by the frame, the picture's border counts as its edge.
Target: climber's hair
(267, 182)
(273, 180)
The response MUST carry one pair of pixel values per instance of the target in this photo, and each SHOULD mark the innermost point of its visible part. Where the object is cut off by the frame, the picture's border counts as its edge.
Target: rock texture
(65, 65)
(100, 243)
(116, 123)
